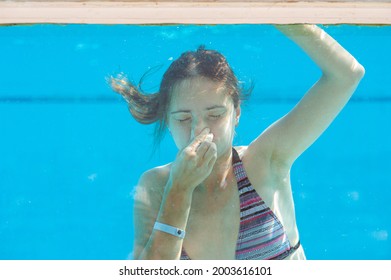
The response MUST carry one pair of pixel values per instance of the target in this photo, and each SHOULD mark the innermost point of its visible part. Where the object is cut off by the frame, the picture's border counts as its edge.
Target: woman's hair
(150, 108)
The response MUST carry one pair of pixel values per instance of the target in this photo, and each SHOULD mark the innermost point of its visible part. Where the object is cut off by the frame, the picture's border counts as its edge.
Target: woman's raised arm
(291, 135)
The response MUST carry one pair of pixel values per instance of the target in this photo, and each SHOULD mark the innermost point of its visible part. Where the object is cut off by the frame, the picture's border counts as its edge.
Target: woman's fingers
(196, 161)
(204, 146)
(198, 140)
(212, 162)
(211, 156)
(201, 150)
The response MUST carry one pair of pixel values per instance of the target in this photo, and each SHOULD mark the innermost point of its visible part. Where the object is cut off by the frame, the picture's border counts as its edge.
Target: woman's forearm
(174, 211)
(327, 53)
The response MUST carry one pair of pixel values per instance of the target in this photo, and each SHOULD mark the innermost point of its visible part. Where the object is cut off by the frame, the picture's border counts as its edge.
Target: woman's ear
(237, 115)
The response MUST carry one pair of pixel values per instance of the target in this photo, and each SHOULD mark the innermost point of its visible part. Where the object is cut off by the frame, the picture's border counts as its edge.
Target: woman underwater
(216, 201)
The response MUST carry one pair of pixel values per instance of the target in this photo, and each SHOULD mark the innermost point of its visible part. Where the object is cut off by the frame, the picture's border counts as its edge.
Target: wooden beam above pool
(196, 12)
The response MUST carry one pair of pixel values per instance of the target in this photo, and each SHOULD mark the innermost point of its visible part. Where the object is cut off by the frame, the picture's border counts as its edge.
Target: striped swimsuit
(261, 234)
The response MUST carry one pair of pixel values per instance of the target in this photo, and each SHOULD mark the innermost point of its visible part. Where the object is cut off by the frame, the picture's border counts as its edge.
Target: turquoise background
(70, 154)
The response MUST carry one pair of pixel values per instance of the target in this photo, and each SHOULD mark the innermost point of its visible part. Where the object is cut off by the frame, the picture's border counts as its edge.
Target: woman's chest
(213, 228)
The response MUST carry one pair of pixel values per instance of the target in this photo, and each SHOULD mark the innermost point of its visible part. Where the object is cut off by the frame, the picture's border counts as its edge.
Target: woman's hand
(194, 163)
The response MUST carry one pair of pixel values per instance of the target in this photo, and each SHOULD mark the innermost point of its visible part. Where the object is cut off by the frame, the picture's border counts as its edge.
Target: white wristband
(170, 230)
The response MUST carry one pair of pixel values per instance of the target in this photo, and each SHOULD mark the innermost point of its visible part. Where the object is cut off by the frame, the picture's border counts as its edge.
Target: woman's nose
(197, 126)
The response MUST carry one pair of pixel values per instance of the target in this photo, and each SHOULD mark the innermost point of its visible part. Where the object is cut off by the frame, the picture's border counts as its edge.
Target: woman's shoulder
(156, 176)
(262, 169)
(248, 155)
(157, 173)
(241, 150)
(153, 181)
(256, 164)
(258, 154)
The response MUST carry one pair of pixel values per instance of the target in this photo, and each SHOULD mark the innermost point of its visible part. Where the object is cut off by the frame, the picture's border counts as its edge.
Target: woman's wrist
(179, 189)
(294, 30)
(174, 231)
(178, 197)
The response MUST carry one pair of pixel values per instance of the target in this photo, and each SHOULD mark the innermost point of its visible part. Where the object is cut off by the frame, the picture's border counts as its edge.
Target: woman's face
(198, 103)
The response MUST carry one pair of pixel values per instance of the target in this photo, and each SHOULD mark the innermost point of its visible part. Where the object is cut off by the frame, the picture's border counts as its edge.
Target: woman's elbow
(347, 76)
(351, 76)
(352, 79)
(358, 71)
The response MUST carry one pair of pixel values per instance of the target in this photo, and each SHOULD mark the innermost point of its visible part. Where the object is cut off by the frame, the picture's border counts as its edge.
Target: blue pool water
(70, 154)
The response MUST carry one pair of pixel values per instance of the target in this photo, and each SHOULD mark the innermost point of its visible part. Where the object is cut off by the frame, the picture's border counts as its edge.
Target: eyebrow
(207, 109)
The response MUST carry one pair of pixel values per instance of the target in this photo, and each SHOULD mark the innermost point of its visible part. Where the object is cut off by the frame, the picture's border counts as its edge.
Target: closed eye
(181, 116)
(216, 112)
(183, 120)
(215, 116)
